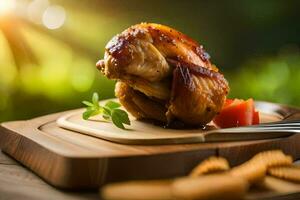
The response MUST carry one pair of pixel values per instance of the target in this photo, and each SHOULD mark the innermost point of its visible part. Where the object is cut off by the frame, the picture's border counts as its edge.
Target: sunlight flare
(7, 6)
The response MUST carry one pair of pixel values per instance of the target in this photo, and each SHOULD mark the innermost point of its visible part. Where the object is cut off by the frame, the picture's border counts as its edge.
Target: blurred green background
(48, 48)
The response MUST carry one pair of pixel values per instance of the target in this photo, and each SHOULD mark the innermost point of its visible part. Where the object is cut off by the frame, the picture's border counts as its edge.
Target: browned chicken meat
(164, 75)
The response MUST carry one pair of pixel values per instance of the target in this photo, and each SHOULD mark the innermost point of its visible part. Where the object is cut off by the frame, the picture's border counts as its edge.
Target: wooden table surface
(17, 182)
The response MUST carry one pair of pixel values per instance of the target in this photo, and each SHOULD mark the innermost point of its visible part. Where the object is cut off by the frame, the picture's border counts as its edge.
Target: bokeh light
(7, 6)
(258, 49)
(54, 17)
(82, 77)
(36, 9)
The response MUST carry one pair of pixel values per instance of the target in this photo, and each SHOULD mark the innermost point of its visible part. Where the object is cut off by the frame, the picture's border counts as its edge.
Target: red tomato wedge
(236, 113)
(255, 118)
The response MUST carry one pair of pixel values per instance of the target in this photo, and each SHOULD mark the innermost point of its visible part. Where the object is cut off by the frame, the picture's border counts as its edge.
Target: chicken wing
(164, 75)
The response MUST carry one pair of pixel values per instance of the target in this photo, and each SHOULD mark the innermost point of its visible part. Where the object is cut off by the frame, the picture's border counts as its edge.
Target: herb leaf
(87, 103)
(110, 111)
(89, 113)
(95, 99)
(106, 111)
(121, 115)
(112, 105)
(117, 121)
(107, 117)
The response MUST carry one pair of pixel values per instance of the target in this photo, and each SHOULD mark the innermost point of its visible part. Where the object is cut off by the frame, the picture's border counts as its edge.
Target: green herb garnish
(110, 111)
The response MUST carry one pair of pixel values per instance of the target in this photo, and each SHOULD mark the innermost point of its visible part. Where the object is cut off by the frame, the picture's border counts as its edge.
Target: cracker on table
(254, 170)
(138, 190)
(210, 165)
(211, 186)
(290, 173)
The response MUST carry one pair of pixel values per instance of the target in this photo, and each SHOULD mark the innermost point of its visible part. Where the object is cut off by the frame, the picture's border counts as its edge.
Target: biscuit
(138, 190)
(278, 185)
(273, 158)
(210, 165)
(255, 169)
(250, 171)
(290, 173)
(207, 187)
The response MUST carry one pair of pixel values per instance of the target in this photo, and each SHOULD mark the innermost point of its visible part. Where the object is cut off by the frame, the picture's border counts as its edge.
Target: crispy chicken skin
(164, 75)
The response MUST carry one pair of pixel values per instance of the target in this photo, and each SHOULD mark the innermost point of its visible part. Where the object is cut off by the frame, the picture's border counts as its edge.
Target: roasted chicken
(164, 75)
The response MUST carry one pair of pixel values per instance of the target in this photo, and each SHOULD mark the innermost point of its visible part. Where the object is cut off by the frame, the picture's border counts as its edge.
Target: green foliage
(55, 69)
(110, 111)
(272, 78)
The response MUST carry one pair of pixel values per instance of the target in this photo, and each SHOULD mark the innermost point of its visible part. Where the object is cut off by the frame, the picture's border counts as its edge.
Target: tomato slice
(228, 102)
(236, 113)
(255, 118)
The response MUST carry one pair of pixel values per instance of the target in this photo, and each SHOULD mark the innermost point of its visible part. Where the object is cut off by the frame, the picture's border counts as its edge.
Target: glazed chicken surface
(164, 75)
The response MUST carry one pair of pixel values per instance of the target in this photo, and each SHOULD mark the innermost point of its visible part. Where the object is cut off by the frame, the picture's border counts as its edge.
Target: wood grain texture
(66, 162)
(6, 160)
(237, 155)
(68, 159)
(16, 183)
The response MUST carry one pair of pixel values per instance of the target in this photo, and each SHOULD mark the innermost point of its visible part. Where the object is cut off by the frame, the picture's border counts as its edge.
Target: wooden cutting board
(69, 159)
(143, 133)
